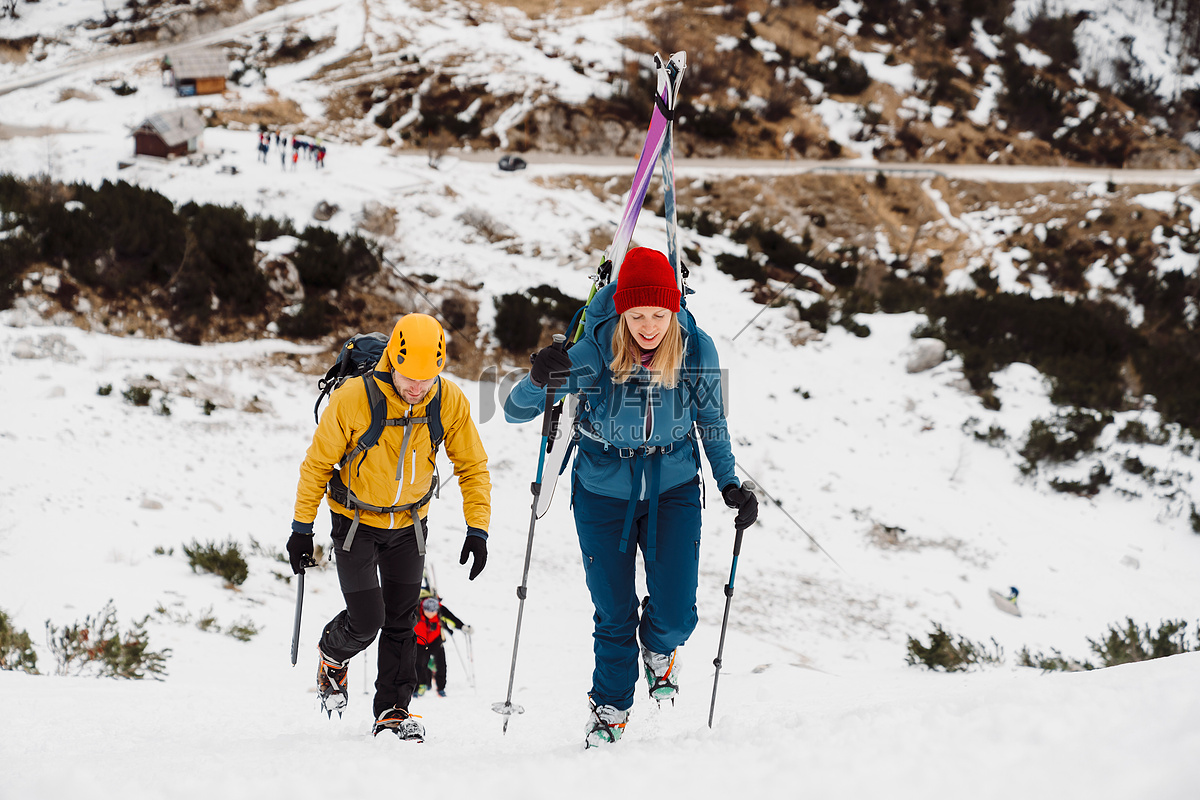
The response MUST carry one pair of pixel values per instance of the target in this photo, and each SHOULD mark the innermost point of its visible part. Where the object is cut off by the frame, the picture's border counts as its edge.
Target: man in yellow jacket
(379, 498)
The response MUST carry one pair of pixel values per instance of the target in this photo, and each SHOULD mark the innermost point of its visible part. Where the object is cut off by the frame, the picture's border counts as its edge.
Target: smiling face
(412, 392)
(647, 324)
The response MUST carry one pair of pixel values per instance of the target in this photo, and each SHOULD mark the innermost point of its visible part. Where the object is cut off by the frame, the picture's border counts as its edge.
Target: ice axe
(307, 561)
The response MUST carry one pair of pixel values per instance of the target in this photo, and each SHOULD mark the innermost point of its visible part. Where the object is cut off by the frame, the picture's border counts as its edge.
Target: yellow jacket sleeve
(465, 449)
(343, 420)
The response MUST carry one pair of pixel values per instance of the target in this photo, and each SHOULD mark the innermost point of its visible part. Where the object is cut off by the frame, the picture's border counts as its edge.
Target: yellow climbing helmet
(417, 347)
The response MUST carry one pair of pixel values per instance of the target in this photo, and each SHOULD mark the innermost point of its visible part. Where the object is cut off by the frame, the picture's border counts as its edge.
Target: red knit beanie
(646, 279)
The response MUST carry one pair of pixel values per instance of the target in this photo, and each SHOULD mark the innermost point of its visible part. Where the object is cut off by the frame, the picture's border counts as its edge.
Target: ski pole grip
(547, 415)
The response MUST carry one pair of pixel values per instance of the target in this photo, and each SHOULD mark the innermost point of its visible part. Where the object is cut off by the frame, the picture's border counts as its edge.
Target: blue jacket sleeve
(527, 401)
(710, 415)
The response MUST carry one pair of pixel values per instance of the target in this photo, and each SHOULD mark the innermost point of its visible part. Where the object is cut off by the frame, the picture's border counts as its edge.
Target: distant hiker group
(300, 147)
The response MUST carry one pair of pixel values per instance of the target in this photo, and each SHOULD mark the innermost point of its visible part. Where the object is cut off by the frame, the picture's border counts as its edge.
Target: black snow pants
(380, 577)
(437, 650)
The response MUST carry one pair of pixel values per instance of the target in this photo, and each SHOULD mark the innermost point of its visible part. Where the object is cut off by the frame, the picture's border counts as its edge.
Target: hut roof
(202, 63)
(174, 127)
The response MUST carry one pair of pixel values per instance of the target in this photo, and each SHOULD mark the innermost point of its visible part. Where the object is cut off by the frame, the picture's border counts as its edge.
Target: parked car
(510, 163)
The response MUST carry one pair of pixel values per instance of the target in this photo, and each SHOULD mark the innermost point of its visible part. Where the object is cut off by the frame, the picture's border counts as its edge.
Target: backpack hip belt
(341, 493)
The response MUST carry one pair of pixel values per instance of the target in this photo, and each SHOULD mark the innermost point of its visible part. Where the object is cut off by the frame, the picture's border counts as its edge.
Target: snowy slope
(815, 697)
(815, 684)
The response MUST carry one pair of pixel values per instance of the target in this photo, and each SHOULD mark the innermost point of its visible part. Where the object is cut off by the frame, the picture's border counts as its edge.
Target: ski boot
(421, 689)
(400, 722)
(662, 675)
(332, 684)
(441, 692)
(604, 726)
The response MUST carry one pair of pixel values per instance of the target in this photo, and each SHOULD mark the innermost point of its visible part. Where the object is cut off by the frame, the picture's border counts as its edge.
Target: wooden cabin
(169, 133)
(200, 71)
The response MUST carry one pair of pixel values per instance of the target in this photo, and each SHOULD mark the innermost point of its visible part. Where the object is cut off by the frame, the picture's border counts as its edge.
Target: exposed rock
(324, 211)
(925, 354)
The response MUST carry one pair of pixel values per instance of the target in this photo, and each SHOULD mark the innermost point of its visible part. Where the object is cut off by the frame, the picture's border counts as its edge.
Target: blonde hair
(663, 367)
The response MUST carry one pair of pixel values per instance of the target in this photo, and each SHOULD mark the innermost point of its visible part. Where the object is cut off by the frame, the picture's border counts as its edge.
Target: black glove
(474, 545)
(300, 552)
(744, 501)
(551, 366)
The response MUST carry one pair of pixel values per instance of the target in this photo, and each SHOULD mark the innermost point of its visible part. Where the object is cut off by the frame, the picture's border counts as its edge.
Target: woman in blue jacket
(649, 384)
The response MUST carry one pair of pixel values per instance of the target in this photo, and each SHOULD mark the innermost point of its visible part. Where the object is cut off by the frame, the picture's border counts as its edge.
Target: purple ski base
(641, 182)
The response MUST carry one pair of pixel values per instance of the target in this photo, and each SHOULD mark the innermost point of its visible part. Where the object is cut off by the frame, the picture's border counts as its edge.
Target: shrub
(137, 395)
(225, 561)
(714, 124)
(1055, 36)
(145, 234)
(1062, 438)
(848, 322)
(16, 648)
(740, 268)
(995, 436)
(1080, 346)
(1136, 432)
(1129, 644)
(98, 646)
(554, 304)
(518, 322)
(220, 262)
(16, 254)
(268, 228)
(105, 390)
(840, 74)
(1168, 371)
(243, 630)
(326, 260)
(315, 319)
(1052, 663)
(816, 314)
(1097, 478)
(1030, 100)
(897, 295)
(945, 654)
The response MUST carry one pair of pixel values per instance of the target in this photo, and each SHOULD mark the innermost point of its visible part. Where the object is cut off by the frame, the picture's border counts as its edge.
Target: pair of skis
(657, 149)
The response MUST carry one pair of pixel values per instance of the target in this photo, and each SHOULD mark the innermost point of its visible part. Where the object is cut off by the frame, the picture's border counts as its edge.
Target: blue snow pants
(671, 576)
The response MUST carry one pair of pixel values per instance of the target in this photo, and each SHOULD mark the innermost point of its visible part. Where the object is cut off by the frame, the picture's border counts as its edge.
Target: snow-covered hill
(918, 518)
(815, 695)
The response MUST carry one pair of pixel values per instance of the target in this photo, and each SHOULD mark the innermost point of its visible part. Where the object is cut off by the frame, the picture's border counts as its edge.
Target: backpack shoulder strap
(378, 405)
(437, 431)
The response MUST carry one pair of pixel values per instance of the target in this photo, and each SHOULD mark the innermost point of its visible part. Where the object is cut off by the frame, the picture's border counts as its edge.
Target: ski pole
(737, 549)
(461, 662)
(471, 658)
(507, 708)
(779, 505)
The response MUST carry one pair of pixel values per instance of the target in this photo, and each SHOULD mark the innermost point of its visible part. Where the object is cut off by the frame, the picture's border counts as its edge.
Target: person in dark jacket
(436, 623)
(649, 384)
